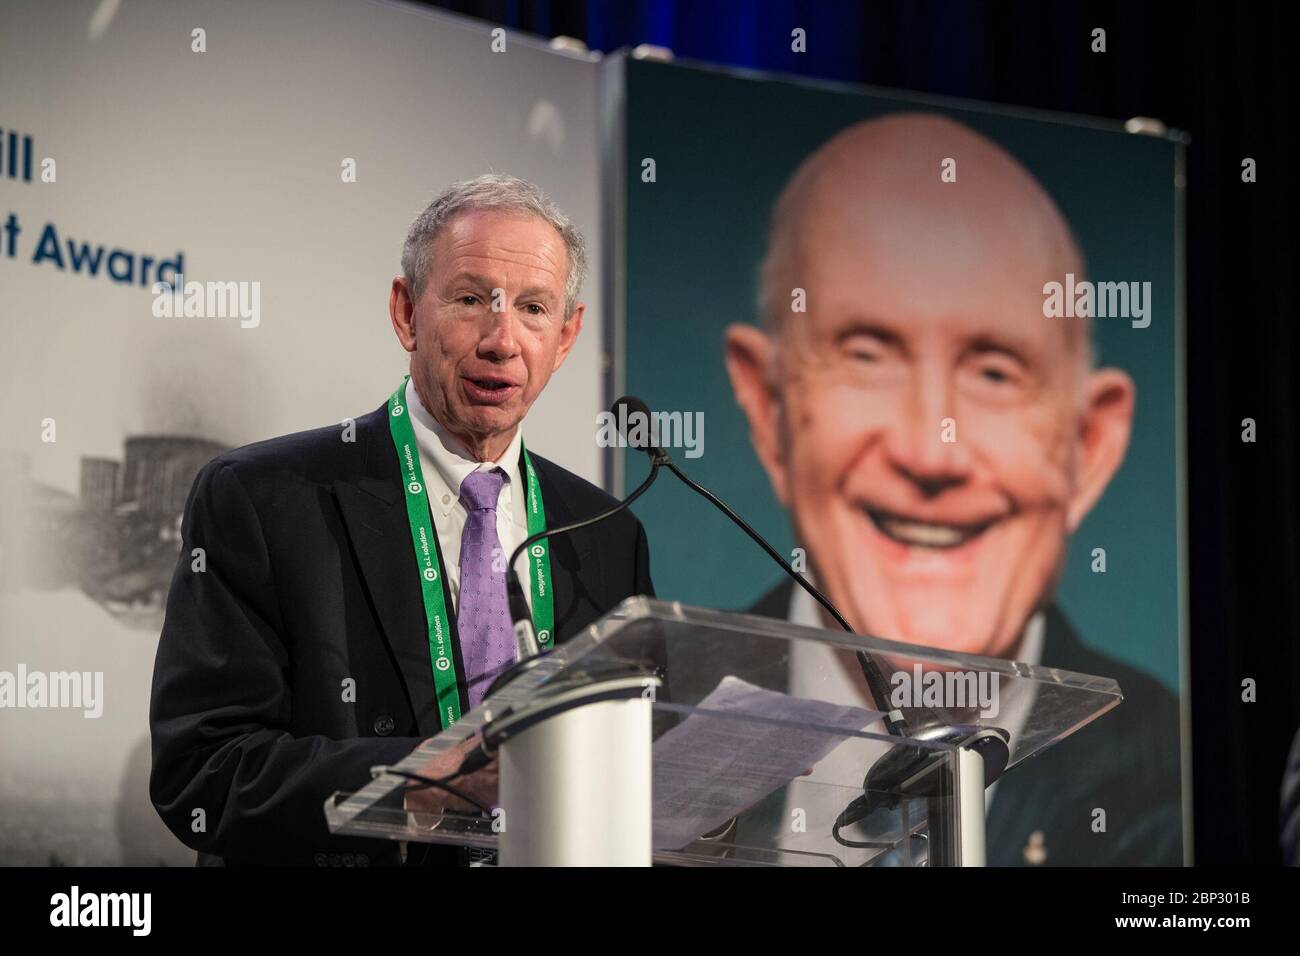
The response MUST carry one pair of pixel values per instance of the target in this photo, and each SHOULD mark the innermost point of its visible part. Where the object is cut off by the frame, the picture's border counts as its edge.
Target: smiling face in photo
(935, 437)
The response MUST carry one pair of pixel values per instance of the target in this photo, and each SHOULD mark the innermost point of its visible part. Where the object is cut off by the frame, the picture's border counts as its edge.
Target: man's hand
(481, 784)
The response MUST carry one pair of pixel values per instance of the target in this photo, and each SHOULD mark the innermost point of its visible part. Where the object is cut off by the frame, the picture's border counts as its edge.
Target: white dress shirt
(446, 463)
(816, 674)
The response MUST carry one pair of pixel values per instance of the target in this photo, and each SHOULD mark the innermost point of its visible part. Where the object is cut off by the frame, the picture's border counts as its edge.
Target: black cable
(439, 783)
(515, 591)
(574, 526)
(762, 543)
(858, 844)
(868, 845)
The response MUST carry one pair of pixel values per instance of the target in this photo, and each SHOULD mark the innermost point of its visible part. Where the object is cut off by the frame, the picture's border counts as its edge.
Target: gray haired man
(353, 600)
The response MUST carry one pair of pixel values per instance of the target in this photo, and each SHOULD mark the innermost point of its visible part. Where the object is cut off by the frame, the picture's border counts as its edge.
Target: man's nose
(926, 446)
(499, 340)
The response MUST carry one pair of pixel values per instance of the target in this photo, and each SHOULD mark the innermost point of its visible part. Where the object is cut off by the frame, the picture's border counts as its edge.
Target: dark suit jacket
(1126, 762)
(310, 581)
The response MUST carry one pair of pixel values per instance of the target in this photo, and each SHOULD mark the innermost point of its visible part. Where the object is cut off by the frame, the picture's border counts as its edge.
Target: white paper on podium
(709, 769)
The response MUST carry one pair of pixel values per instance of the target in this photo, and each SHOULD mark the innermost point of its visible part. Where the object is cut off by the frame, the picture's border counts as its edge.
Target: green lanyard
(423, 537)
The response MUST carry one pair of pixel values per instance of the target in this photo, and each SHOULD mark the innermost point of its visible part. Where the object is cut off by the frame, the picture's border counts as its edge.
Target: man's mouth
(926, 534)
(489, 388)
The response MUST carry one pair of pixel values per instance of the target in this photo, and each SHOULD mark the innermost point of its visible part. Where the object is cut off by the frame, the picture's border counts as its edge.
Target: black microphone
(623, 410)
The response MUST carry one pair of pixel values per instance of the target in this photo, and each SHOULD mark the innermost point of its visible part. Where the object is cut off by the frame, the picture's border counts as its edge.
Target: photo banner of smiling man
(935, 350)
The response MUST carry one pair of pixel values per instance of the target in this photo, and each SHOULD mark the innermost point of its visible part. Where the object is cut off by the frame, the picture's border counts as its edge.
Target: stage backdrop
(695, 221)
(216, 140)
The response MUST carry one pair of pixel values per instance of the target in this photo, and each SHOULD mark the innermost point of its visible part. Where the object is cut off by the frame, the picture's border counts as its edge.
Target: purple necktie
(487, 639)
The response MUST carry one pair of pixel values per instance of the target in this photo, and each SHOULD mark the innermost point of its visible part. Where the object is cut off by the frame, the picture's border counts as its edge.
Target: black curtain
(1226, 73)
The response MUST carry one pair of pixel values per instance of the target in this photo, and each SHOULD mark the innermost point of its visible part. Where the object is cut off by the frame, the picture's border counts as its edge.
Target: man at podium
(341, 592)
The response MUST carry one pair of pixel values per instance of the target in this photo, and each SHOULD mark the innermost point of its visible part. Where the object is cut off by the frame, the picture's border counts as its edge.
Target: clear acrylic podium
(678, 735)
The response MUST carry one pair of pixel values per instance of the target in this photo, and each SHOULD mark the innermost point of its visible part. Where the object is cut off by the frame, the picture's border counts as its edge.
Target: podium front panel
(757, 759)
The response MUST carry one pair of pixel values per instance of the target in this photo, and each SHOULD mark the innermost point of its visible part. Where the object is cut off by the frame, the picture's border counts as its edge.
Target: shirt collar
(452, 463)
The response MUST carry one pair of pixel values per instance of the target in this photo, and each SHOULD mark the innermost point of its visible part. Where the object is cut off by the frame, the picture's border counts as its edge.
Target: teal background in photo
(724, 145)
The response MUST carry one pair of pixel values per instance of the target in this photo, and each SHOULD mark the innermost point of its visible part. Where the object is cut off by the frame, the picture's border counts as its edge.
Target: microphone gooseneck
(518, 604)
(521, 619)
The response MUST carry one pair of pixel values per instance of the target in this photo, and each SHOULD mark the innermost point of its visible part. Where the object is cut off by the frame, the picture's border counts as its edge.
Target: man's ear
(569, 334)
(402, 311)
(1104, 430)
(748, 352)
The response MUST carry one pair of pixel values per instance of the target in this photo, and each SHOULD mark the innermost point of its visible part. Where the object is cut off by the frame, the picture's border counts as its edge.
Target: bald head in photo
(935, 438)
